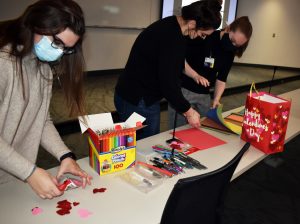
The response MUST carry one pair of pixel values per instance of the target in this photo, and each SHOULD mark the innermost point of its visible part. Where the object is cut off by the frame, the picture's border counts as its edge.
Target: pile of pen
(174, 160)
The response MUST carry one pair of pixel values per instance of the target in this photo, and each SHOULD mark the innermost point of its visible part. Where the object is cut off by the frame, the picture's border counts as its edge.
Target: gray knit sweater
(25, 123)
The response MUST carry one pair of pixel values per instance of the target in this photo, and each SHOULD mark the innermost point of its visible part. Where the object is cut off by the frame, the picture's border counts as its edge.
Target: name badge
(209, 62)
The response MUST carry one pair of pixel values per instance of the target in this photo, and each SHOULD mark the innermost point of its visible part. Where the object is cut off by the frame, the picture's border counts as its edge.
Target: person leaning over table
(155, 63)
(208, 63)
(48, 34)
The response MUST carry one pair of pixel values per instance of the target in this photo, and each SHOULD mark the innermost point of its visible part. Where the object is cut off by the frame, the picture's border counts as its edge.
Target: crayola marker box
(112, 147)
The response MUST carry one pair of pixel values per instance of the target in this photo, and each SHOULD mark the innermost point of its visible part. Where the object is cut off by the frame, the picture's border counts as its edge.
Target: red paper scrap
(65, 207)
(198, 138)
(75, 203)
(99, 190)
(64, 185)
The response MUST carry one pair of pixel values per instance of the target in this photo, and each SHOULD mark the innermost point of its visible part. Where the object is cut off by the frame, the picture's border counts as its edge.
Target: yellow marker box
(116, 159)
(112, 147)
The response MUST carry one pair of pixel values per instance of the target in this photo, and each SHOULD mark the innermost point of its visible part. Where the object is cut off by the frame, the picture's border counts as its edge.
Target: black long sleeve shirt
(155, 65)
(197, 51)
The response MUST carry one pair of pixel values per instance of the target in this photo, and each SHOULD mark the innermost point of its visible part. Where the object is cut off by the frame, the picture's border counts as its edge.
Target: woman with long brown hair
(43, 43)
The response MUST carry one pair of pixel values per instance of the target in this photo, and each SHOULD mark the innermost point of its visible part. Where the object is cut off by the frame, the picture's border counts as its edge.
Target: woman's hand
(193, 118)
(201, 80)
(43, 184)
(215, 104)
(69, 165)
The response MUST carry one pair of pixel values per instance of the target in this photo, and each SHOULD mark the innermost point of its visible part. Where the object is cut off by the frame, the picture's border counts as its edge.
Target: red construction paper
(198, 138)
(191, 150)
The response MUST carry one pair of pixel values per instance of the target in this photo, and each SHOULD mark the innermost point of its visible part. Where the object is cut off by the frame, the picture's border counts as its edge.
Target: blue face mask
(46, 52)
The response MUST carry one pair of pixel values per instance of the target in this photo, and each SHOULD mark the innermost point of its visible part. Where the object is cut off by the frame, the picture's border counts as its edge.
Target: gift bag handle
(251, 89)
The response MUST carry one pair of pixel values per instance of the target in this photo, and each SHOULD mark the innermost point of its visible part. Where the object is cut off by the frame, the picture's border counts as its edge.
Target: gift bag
(265, 121)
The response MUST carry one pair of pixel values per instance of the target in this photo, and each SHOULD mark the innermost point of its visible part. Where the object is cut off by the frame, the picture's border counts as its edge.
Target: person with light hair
(207, 65)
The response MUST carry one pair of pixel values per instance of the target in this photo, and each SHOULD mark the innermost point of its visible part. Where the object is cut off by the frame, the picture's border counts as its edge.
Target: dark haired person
(155, 64)
(208, 63)
(49, 31)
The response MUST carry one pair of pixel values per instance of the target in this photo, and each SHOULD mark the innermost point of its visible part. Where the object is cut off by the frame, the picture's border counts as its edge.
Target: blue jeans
(151, 113)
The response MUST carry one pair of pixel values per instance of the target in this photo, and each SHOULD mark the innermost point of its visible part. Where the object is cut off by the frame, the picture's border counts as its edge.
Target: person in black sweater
(208, 63)
(156, 62)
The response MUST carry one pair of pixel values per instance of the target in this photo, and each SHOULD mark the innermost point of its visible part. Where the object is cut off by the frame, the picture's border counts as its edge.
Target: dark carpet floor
(269, 193)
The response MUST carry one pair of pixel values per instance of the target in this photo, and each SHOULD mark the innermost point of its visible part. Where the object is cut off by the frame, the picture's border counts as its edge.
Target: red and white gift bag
(265, 121)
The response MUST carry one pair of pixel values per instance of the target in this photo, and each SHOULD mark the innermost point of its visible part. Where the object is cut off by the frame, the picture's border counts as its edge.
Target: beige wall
(281, 17)
(103, 48)
(107, 48)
